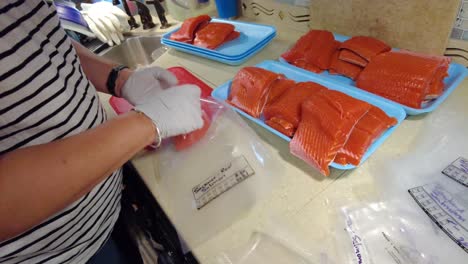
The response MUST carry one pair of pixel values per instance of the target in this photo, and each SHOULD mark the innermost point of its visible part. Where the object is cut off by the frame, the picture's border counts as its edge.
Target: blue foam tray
(250, 35)
(456, 73)
(257, 47)
(221, 93)
(235, 61)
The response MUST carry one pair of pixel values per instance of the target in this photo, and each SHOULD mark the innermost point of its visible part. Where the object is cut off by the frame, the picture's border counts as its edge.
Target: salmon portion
(286, 110)
(366, 47)
(403, 77)
(342, 67)
(314, 48)
(277, 88)
(371, 126)
(186, 33)
(281, 125)
(328, 118)
(301, 63)
(185, 141)
(437, 84)
(351, 57)
(213, 35)
(250, 88)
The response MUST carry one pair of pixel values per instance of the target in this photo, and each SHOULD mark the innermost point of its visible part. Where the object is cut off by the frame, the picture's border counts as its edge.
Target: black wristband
(113, 77)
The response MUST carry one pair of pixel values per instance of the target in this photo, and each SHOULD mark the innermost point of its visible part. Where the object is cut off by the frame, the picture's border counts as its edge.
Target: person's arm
(97, 69)
(37, 181)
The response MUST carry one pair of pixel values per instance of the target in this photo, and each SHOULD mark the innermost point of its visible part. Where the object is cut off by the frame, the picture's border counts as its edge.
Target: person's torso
(45, 96)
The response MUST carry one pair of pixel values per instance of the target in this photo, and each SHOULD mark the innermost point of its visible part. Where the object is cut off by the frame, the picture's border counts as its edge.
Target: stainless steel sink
(136, 51)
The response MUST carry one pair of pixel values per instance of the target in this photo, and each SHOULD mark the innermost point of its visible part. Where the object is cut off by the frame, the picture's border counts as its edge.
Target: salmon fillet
(437, 84)
(286, 110)
(185, 141)
(366, 47)
(347, 69)
(371, 126)
(403, 77)
(351, 57)
(281, 125)
(314, 48)
(250, 88)
(186, 33)
(328, 118)
(213, 35)
(278, 87)
(301, 63)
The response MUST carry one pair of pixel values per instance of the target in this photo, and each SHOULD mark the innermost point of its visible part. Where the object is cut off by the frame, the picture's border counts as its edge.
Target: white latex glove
(106, 21)
(147, 82)
(175, 110)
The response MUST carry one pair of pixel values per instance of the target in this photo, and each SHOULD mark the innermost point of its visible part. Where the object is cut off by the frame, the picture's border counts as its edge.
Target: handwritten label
(227, 177)
(360, 252)
(450, 214)
(458, 171)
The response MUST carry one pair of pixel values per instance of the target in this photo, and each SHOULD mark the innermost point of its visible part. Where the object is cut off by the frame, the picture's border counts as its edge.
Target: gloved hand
(147, 82)
(174, 111)
(106, 21)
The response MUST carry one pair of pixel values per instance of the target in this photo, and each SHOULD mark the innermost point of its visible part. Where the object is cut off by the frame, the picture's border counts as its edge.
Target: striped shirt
(44, 96)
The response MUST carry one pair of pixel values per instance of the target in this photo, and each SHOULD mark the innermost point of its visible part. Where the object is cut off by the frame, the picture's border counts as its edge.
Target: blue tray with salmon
(226, 41)
(272, 94)
(417, 82)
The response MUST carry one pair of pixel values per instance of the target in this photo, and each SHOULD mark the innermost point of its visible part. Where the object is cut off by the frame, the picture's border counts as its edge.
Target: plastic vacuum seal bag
(218, 179)
(385, 233)
(262, 248)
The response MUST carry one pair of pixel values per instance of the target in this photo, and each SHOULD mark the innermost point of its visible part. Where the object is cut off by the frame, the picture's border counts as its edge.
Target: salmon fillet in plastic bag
(366, 47)
(371, 126)
(403, 77)
(328, 119)
(314, 48)
(286, 110)
(213, 35)
(250, 88)
(186, 33)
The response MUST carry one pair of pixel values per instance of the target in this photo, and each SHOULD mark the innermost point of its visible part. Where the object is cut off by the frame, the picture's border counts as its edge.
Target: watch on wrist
(112, 78)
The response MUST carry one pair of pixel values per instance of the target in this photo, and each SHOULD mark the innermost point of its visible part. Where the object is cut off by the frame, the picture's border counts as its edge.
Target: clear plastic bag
(217, 180)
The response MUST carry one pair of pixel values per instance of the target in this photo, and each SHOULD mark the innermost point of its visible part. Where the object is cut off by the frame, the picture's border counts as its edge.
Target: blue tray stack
(252, 39)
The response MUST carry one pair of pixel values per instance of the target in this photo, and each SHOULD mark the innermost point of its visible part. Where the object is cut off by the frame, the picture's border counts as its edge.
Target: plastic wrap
(216, 181)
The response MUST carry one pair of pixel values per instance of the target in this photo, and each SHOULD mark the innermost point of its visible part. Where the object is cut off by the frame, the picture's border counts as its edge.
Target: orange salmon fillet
(328, 119)
(347, 69)
(313, 50)
(370, 127)
(366, 47)
(400, 76)
(278, 87)
(351, 57)
(186, 33)
(286, 110)
(213, 35)
(250, 88)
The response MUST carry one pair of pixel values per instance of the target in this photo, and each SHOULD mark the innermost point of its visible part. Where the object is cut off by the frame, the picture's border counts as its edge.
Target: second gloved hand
(145, 83)
(175, 110)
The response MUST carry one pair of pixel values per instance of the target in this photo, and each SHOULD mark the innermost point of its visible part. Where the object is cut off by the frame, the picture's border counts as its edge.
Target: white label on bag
(458, 171)
(450, 214)
(359, 250)
(227, 177)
